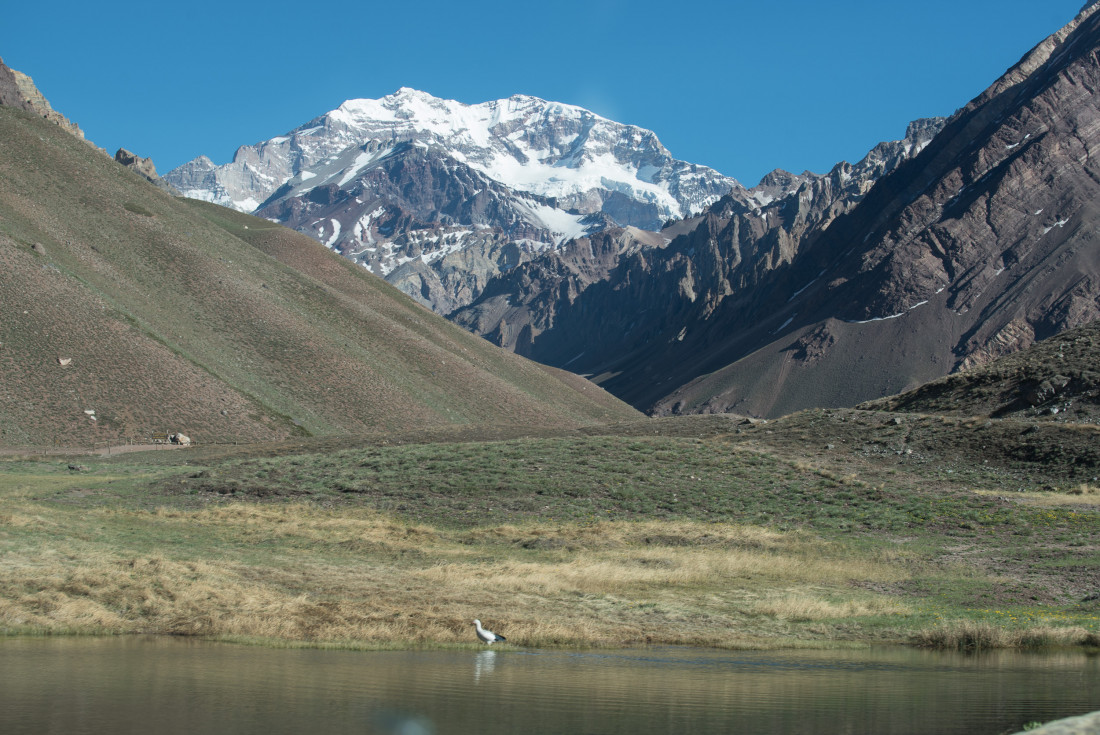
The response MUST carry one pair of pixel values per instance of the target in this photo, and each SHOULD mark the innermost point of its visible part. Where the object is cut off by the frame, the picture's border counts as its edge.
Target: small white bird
(487, 636)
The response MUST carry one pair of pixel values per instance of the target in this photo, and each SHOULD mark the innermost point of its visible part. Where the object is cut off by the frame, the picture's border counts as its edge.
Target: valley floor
(823, 529)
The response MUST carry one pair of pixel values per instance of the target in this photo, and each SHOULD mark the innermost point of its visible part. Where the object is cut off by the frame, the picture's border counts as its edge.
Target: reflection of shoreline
(484, 663)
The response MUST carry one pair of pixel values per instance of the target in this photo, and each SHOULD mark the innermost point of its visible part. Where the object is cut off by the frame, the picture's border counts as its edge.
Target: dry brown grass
(1082, 494)
(300, 573)
(971, 635)
(799, 606)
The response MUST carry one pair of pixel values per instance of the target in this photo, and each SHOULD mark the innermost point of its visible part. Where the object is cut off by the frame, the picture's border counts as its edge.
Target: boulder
(1046, 390)
(1084, 725)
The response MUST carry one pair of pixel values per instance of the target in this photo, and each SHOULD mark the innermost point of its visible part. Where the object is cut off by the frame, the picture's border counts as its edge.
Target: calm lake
(162, 685)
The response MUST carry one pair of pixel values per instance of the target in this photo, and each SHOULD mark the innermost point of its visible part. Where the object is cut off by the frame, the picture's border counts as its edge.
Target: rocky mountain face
(438, 196)
(973, 246)
(427, 222)
(529, 305)
(543, 309)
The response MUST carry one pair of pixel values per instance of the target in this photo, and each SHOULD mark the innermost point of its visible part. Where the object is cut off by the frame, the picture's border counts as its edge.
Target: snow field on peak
(482, 137)
(527, 144)
(562, 224)
(413, 177)
(410, 110)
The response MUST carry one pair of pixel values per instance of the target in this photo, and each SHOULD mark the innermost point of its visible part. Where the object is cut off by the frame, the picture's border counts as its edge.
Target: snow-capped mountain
(530, 145)
(403, 182)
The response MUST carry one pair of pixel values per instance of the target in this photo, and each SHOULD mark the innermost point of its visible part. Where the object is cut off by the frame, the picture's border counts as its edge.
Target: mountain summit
(548, 149)
(438, 196)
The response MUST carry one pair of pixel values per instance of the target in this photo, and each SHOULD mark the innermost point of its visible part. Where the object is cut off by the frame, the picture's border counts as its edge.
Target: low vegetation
(695, 531)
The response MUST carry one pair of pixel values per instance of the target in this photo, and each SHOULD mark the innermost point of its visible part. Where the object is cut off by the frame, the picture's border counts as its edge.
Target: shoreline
(763, 646)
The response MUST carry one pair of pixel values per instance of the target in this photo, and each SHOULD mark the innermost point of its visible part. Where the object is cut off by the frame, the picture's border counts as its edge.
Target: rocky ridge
(976, 248)
(143, 167)
(18, 90)
(530, 145)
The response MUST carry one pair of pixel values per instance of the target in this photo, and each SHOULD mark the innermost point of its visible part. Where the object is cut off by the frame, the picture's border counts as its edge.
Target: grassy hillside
(177, 316)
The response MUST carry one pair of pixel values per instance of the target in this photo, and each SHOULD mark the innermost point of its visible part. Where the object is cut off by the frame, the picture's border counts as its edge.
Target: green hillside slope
(179, 316)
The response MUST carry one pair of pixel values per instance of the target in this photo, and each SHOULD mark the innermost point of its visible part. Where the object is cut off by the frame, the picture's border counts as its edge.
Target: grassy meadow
(692, 531)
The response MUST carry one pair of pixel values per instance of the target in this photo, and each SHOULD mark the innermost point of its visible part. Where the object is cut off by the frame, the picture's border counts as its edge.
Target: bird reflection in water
(398, 723)
(484, 663)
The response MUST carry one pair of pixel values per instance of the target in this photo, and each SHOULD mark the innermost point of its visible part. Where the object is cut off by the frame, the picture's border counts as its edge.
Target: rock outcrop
(143, 167)
(1083, 725)
(10, 93)
(18, 90)
(1057, 379)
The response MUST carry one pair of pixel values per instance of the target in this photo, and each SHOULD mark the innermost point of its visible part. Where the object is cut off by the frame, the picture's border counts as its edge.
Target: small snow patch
(335, 233)
(884, 318)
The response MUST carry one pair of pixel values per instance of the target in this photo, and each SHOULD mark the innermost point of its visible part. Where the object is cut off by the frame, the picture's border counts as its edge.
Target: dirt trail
(91, 451)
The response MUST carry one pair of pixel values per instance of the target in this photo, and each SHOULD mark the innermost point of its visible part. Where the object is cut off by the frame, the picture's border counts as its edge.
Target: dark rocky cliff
(981, 244)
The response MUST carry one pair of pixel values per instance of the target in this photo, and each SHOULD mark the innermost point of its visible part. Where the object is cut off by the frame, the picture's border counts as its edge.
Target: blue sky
(743, 87)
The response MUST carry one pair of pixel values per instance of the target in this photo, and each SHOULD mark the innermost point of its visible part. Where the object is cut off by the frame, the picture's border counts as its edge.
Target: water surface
(168, 686)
